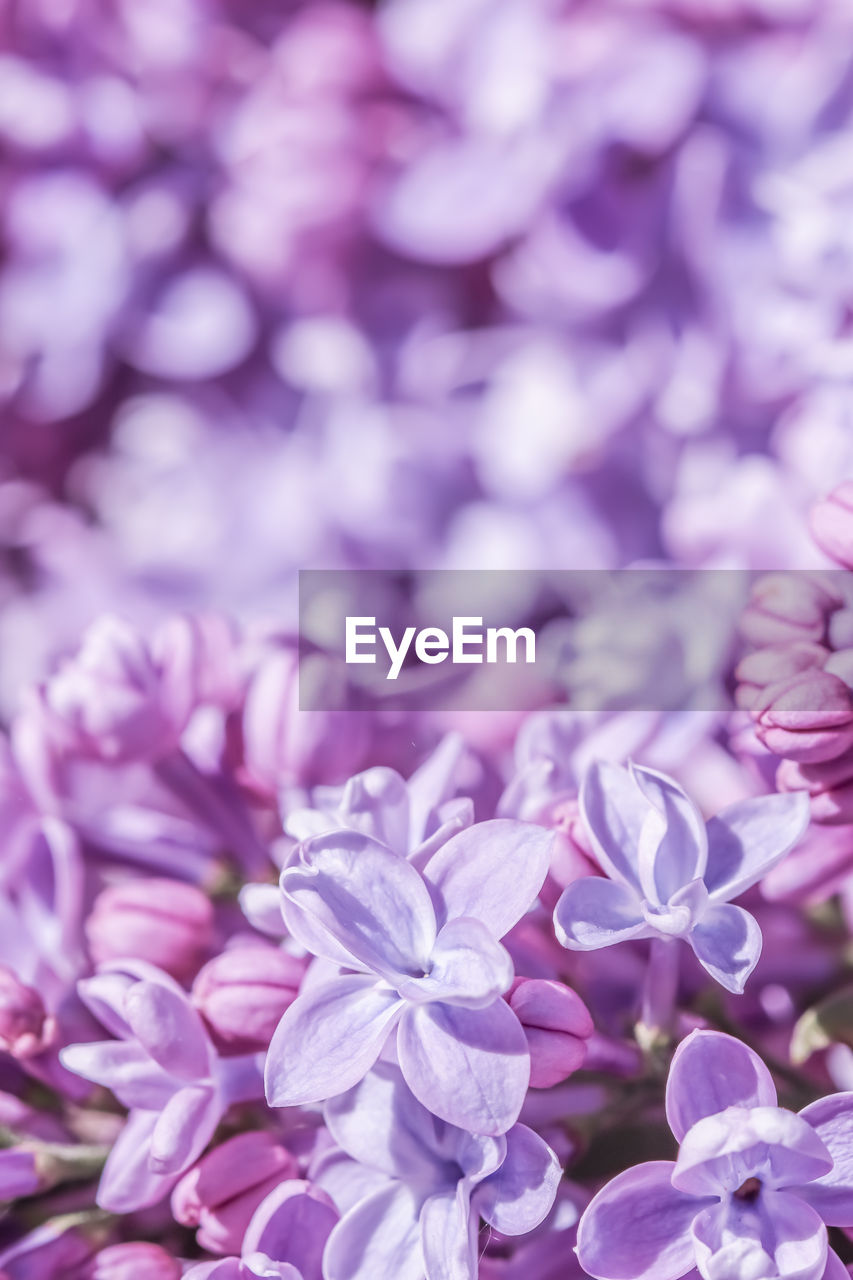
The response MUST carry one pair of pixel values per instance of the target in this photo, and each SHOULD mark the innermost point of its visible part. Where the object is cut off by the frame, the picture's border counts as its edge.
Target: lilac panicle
(671, 875)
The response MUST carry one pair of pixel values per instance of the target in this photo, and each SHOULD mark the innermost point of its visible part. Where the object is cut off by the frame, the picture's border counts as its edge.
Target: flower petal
(125, 1068)
(777, 1235)
(328, 1039)
(594, 912)
(183, 1129)
(747, 839)
(614, 810)
(638, 1227)
(720, 1152)
(379, 1237)
(679, 851)
(727, 943)
(520, 1194)
(449, 1235)
(379, 1123)
(832, 1194)
(369, 899)
(492, 871)
(292, 1225)
(169, 1028)
(470, 1067)
(710, 1072)
(467, 967)
(128, 1181)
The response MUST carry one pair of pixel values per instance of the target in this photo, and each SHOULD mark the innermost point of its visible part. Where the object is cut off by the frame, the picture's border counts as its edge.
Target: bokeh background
(428, 283)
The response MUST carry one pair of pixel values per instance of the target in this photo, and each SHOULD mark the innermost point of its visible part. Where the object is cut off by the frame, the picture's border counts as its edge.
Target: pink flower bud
(25, 1028)
(831, 522)
(789, 607)
(221, 1193)
(243, 992)
(808, 718)
(165, 922)
(109, 702)
(284, 745)
(198, 662)
(136, 1261)
(773, 665)
(557, 1024)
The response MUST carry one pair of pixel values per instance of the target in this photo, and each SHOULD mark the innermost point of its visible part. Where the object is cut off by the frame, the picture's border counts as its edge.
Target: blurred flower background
(417, 284)
(469, 283)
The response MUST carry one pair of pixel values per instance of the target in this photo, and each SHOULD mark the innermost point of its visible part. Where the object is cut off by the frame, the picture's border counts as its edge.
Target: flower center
(749, 1190)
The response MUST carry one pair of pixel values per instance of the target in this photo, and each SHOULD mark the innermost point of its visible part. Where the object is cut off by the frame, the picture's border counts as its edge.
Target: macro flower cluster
(422, 992)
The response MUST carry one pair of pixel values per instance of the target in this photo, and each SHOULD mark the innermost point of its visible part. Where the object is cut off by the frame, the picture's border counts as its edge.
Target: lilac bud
(135, 1261)
(198, 663)
(789, 607)
(165, 922)
(221, 1193)
(831, 522)
(285, 745)
(25, 1028)
(108, 701)
(808, 718)
(774, 665)
(243, 992)
(557, 1025)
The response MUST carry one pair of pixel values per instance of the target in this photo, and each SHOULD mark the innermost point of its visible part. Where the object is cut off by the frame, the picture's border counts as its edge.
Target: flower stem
(660, 993)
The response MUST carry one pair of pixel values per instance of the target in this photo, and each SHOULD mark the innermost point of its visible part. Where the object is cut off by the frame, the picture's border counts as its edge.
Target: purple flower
(165, 922)
(751, 1190)
(165, 1069)
(412, 817)
(669, 874)
(427, 961)
(427, 1185)
(284, 1239)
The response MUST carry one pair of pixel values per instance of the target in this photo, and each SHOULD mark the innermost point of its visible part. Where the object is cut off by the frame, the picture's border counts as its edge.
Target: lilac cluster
(425, 994)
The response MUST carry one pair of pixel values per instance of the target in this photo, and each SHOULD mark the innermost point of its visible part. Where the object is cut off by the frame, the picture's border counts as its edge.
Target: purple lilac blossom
(750, 1192)
(671, 875)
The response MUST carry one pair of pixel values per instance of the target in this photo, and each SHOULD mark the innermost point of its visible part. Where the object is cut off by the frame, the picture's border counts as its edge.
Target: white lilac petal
(380, 1236)
(594, 912)
(678, 853)
(492, 871)
(470, 1067)
(449, 1235)
(614, 810)
(369, 899)
(775, 1235)
(748, 839)
(328, 1039)
(638, 1227)
(520, 1194)
(832, 1194)
(711, 1071)
(727, 943)
(721, 1152)
(467, 967)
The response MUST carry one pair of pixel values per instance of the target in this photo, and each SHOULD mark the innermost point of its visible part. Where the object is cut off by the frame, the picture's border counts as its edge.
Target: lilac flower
(426, 958)
(670, 875)
(427, 1184)
(750, 1192)
(164, 1068)
(412, 817)
(284, 1239)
